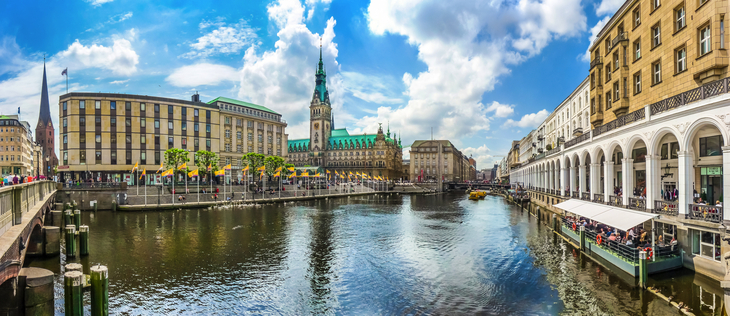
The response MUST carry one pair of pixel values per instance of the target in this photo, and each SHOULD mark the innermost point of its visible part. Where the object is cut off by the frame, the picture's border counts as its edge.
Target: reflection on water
(439, 254)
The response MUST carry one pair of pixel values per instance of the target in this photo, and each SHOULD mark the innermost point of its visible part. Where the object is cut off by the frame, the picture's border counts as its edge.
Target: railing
(619, 122)
(619, 38)
(29, 195)
(596, 61)
(575, 195)
(599, 198)
(553, 151)
(93, 185)
(614, 200)
(540, 150)
(630, 253)
(585, 196)
(666, 208)
(702, 92)
(707, 213)
(637, 204)
(540, 156)
(576, 140)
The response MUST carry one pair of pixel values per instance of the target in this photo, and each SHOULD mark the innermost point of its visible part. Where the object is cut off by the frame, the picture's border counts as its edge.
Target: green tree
(272, 163)
(174, 158)
(203, 159)
(549, 147)
(254, 161)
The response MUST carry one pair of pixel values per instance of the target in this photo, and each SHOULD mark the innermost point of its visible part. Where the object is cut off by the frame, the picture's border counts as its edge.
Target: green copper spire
(320, 90)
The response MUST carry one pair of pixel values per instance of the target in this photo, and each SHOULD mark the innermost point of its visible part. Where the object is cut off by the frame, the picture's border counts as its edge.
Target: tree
(254, 161)
(549, 147)
(272, 163)
(203, 159)
(175, 157)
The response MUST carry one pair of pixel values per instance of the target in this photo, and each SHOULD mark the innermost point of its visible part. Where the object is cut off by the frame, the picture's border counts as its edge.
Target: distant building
(437, 159)
(16, 146)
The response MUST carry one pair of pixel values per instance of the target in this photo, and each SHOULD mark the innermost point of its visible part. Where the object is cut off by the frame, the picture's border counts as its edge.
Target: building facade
(438, 159)
(103, 135)
(16, 147)
(376, 154)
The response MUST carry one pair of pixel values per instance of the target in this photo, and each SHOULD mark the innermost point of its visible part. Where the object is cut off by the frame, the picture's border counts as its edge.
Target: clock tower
(320, 115)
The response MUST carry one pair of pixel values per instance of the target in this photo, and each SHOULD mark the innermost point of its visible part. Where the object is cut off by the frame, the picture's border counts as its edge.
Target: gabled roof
(304, 143)
(340, 132)
(241, 103)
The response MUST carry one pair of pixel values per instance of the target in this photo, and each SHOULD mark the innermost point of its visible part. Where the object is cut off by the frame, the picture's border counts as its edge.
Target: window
(207, 128)
(260, 138)
(170, 142)
(637, 17)
(64, 106)
(157, 108)
(706, 244)
(82, 156)
(65, 158)
(616, 94)
(143, 157)
(679, 17)
(228, 133)
(128, 106)
(228, 147)
(113, 105)
(82, 104)
(142, 107)
(656, 69)
(82, 138)
(711, 146)
(250, 124)
(250, 136)
(184, 125)
(128, 122)
(170, 109)
(157, 123)
(207, 144)
(98, 120)
(82, 121)
(615, 61)
(143, 122)
(207, 114)
(722, 33)
(65, 122)
(143, 139)
(705, 40)
(196, 143)
(128, 139)
(98, 139)
(97, 105)
(656, 34)
(228, 120)
(656, 4)
(98, 156)
(637, 49)
(113, 138)
(681, 58)
(637, 82)
(195, 112)
(184, 141)
(239, 148)
(157, 157)
(674, 150)
(65, 139)
(169, 125)
(129, 157)
(238, 135)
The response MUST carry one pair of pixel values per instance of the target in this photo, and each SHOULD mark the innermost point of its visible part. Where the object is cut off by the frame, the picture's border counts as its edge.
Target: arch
(696, 125)
(632, 141)
(612, 147)
(655, 142)
(583, 156)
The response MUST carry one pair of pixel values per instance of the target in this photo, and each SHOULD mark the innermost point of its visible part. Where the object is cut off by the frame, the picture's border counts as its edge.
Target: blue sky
(481, 73)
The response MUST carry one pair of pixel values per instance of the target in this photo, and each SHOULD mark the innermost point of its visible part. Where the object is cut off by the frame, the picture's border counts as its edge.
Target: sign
(711, 171)
(63, 167)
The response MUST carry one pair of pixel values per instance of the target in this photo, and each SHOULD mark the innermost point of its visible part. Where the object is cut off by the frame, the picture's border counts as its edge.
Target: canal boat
(474, 195)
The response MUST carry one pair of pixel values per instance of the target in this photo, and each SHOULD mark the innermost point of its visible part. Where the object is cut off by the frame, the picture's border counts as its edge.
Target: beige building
(652, 50)
(16, 146)
(438, 159)
(103, 135)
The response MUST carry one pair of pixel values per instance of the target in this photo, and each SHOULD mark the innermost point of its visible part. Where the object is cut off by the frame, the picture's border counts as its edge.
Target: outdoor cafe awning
(620, 218)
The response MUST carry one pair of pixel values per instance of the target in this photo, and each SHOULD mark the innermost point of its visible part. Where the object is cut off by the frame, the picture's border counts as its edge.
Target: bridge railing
(17, 200)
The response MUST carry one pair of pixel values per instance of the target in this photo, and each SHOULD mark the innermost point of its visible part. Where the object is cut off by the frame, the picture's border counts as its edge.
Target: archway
(704, 179)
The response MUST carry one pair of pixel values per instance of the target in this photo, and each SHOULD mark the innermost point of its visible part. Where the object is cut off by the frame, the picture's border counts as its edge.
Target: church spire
(44, 116)
(320, 89)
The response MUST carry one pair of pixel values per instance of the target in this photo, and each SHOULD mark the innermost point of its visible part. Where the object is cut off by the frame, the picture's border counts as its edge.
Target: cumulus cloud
(370, 88)
(594, 32)
(480, 154)
(609, 7)
(541, 21)
(224, 39)
(97, 3)
(529, 120)
(501, 110)
(202, 74)
(120, 58)
(119, 81)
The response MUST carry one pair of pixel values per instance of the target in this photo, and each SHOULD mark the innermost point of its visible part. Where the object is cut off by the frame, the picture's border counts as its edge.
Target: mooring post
(73, 296)
(74, 267)
(77, 218)
(539, 215)
(643, 273)
(555, 223)
(114, 205)
(582, 237)
(67, 217)
(70, 240)
(99, 291)
(84, 240)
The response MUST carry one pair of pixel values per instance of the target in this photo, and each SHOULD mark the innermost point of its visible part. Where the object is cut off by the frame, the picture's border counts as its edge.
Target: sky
(478, 73)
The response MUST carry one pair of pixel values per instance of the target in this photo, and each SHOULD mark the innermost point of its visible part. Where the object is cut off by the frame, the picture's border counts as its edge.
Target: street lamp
(47, 166)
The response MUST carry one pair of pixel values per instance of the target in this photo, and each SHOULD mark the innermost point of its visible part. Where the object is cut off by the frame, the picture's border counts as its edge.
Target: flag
(167, 173)
(352, 174)
(305, 174)
(317, 175)
(261, 175)
(64, 72)
(144, 172)
(160, 169)
(278, 174)
(228, 167)
(136, 166)
(185, 165)
(245, 169)
(293, 175)
(278, 169)
(193, 173)
(262, 168)
(291, 169)
(221, 172)
(328, 172)
(210, 166)
(18, 110)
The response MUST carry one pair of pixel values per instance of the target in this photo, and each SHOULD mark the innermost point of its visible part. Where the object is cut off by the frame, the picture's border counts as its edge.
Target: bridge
(23, 212)
(480, 186)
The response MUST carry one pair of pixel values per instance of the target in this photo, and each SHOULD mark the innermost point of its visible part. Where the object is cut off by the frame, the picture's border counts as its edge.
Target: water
(418, 255)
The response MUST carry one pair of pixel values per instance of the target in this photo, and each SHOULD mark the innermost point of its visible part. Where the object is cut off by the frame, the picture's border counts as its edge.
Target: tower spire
(44, 116)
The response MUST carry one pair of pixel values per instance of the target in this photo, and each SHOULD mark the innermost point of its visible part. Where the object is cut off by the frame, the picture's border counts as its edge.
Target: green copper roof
(296, 144)
(340, 132)
(241, 103)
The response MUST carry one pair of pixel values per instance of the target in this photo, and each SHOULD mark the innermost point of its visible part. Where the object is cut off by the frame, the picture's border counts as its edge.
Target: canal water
(402, 255)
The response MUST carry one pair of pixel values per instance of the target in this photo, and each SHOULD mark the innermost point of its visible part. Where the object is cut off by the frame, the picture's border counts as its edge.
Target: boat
(474, 196)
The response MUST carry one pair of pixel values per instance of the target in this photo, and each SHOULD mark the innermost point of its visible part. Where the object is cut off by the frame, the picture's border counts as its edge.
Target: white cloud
(609, 7)
(370, 88)
(97, 3)
(594, 32)
(225, 39)
(480, 154)
(529, 120)
(202, 74)
(540, 21)
(119, 81)
(500, 110)
(120, 58)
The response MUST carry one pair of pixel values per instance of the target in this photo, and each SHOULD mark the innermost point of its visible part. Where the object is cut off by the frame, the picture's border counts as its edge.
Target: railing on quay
(707, 213)
(702, 92)
(637, 204)
(666, 208)
(599, 198)
(614, 200)
(585, 196)
(96, 185)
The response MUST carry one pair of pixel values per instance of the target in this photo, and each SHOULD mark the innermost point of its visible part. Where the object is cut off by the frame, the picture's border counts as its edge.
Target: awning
(620, 218)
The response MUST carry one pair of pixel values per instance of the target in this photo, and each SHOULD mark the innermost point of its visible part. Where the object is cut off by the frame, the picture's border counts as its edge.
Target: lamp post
(47, 165)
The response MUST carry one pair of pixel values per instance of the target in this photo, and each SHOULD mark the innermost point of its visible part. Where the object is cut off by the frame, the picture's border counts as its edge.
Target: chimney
(196, 97)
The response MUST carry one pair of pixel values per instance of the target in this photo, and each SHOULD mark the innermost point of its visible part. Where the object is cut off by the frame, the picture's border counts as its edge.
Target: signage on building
(62, 167)
(711, 171)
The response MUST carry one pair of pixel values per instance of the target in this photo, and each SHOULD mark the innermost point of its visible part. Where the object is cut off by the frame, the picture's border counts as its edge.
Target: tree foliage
(174, 158)
(272, 163)
(203, 159)
(254, 161)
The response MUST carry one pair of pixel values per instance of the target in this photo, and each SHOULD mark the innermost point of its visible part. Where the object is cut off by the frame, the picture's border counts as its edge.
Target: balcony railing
(619, 122)
(619, 38)
(585, 196)
(577, 140)
(666, 208)
(637, 204)
(540, 137)
(553, 151)
(599, 198)
(614, 200)
(596, 62)
(707, 213)
(540, 150)
(702, 92)
(575, 194)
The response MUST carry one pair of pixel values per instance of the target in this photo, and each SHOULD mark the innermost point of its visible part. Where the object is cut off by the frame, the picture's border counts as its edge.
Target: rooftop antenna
(431, 133)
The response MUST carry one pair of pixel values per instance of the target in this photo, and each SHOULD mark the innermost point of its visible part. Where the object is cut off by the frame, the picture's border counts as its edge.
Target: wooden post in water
(643, 273)
(77, 218)
(73, 296)
(70, 240)
(83, 240)
(582, 237)
(67, 217)
(99, 291)
(555, 223)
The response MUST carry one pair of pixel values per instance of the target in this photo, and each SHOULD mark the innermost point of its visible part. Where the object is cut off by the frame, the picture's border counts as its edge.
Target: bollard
(96, 206)
(74, 267)
(67, 217)
(70, 240)
(99, 291)
(83, 240)
(77, 218)
(114, 206)
(643, 273)
(539, 216)
(582, 237)
(73, 296)
(555, 222)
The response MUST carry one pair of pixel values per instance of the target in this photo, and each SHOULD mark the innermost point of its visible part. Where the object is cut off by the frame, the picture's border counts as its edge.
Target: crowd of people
(14, 180)
(635, 238)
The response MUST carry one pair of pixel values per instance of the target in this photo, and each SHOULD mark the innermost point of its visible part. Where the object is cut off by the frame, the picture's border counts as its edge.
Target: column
(558, 180)
(550, 179)
(562, 176)
(628, 183)
(685, 181)
(725, 178)
(572, 180)
(608, 180)
(595, 175)
(652, 183)
(582, 179)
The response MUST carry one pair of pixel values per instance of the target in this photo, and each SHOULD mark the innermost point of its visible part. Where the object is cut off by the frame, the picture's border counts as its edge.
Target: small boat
(474, 196)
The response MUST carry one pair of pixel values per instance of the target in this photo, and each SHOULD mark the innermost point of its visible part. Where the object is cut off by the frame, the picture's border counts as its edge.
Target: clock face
(316, 125)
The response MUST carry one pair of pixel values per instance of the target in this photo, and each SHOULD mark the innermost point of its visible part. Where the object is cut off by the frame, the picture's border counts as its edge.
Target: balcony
(614, 200)
(619, 122)
(619, 38)
(707, 213)
(599, 198)
(596, 62)
(666, 208)
(540, 137)
(578, 131)
(637, 204)
(561, 139)
(540, 150)
(597, 118)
